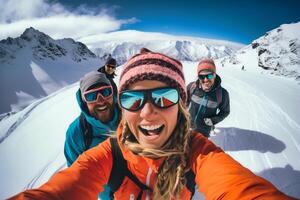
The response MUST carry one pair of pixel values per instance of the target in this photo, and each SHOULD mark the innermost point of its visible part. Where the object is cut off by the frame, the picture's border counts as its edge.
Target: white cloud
(55, 20)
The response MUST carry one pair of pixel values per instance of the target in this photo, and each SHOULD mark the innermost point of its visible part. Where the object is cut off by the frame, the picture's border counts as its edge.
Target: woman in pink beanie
(163, 158)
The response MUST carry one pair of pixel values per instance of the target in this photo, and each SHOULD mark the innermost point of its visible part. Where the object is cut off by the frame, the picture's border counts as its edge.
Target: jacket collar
(136, 159)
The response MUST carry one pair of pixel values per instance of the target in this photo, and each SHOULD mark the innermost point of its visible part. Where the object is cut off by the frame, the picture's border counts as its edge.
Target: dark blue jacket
(213, 104)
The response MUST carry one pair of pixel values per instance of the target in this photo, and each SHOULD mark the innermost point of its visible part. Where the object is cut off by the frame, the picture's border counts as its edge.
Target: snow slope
(34, 65)
(261, 132)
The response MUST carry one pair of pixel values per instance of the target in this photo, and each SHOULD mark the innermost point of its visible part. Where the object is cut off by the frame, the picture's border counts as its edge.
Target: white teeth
(102, 108)
(151, 128)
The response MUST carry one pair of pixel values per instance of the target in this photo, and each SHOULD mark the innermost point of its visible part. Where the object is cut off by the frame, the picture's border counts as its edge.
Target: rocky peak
(31, 33)
(43, 47)
(277, 52)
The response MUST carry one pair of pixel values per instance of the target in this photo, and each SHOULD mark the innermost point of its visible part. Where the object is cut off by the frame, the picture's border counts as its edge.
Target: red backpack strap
(219, 95)
(192, 88)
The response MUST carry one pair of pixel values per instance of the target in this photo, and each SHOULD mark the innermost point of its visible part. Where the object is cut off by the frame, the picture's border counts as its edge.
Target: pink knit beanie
(150, 65)
(206, 64)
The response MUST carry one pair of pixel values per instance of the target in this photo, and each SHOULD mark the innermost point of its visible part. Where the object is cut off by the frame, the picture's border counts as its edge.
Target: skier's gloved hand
(208, 122)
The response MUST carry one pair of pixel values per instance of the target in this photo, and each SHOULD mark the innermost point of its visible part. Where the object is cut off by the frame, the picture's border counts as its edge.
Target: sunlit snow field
(262, 131)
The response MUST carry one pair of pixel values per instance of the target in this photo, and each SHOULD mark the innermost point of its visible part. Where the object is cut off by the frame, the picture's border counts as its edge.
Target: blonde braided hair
(171, 176)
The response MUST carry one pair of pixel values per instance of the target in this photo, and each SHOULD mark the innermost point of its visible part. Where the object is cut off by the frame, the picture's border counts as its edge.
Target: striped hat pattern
(206, 64)
(153, 66)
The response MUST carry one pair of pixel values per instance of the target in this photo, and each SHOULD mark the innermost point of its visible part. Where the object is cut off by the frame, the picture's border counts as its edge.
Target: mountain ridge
(123, 44)
(277, 52)
(43, 47)
(34, 65)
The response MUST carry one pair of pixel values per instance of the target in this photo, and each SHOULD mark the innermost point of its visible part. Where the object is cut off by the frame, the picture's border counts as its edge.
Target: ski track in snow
(256, 110)
(287, 123)
(292, 124)
(38, 176)
(30, 108)
(266, 110)
(21, 119)
(42, 173)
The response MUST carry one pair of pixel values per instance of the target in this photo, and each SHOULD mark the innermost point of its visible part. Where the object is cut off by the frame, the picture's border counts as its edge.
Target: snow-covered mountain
(261, 132)
(123, 44)
(43, 47)
(34, 65)
(277, 52)
(29, 63)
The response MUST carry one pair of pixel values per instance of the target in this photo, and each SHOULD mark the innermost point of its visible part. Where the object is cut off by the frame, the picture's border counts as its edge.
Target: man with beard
(208, 101)
(99, 117)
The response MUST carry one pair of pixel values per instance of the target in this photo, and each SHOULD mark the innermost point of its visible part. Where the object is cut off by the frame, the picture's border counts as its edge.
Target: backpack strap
(190, 182)
(121, 170)
(193, 88)
(219, 95)
(138, 183)
(117, 173)
(87, 131)
(190, 92)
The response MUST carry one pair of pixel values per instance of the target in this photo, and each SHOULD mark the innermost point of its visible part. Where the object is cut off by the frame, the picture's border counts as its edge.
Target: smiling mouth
(102, 108)
(151, 130)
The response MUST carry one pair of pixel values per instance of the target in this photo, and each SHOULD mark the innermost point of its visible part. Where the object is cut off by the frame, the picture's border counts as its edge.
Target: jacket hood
(136, 159)
(99, 128)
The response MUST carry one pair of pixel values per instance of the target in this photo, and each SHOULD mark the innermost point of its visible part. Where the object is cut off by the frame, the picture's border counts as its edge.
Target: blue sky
(241, 21)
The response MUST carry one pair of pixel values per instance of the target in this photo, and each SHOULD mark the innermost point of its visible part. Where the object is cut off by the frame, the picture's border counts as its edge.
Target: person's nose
(147, 110)
(100, 99)
(203, 80)
(206, 79)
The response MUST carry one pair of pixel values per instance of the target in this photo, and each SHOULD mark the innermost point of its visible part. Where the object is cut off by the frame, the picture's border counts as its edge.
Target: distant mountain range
(123, 44)
(34, 65)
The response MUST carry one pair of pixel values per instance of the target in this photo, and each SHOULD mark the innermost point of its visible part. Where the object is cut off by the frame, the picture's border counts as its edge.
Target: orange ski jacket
(217, 175)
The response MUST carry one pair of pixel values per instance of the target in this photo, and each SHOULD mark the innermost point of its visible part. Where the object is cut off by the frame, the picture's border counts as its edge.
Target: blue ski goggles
(92, 96)
(208, 76)
(134, 100)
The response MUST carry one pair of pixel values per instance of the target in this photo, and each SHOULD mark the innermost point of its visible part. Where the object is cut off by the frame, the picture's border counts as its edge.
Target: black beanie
(111, 61)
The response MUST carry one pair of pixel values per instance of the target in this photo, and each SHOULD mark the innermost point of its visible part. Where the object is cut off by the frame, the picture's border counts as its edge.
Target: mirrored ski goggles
(208, 76)
(134, 100)
(92, 95)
